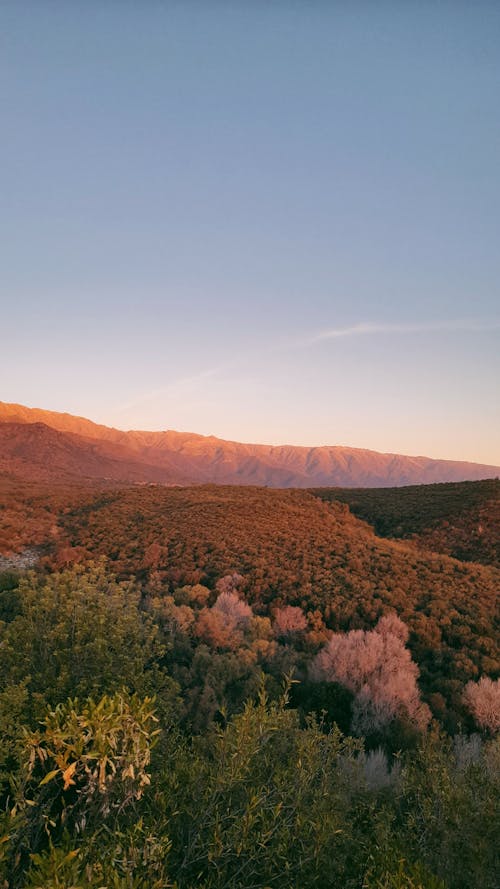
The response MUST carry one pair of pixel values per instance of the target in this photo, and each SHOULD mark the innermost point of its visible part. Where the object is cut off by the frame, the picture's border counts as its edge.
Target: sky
(272, 222)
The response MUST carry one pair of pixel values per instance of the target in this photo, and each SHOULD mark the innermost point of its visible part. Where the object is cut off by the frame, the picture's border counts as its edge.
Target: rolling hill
(460, 519)
(290, 546)
(83, 450)
(291, 549)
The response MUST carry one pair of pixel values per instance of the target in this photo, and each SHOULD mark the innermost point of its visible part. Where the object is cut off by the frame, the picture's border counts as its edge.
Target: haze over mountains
(45, 445)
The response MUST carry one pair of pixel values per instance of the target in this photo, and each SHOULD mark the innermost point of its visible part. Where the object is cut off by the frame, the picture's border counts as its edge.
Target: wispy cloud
(175, 388)
(371, 329)
(186, 387)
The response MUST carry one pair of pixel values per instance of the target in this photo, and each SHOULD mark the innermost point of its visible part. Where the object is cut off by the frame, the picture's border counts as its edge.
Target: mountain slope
(36, 452)
(179, 457)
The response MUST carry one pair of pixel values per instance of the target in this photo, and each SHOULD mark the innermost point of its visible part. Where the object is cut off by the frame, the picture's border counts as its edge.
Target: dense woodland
(243, 687)
(461, 519)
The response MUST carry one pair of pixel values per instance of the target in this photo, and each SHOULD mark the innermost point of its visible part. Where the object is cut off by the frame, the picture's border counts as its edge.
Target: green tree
(79, 633)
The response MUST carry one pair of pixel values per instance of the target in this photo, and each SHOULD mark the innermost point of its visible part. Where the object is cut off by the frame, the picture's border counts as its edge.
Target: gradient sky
(269, 221)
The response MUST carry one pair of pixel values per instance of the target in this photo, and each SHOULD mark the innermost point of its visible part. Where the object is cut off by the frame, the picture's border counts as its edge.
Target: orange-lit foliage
(30, 512)
(292, 550)
(295, 550)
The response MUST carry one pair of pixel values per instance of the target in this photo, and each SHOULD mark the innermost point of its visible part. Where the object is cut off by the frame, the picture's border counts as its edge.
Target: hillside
(38, 452)
(95, 451)
(461, 519)
(291, 548)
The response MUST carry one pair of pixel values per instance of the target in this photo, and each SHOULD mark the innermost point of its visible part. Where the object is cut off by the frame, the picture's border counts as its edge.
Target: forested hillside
(291, 549)
(145, 737)
(459, 519)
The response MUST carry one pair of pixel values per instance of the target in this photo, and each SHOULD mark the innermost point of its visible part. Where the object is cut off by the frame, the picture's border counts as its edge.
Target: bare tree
(482, 699)
(379, 670)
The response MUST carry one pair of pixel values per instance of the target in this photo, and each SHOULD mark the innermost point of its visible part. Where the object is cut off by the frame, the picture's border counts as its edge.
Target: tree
(230, 583)
(79, 632)
(378, 669)
(483, 700)
(234, 610)
(222, 626)
(288, 621)
(214, 628)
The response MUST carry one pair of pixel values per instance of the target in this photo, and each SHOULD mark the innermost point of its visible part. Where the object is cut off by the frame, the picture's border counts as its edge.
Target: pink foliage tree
(482, 699)
(391, 623)
(222, 625)
(229, 583)
(378, 669)
(289, 620)
(233, 609)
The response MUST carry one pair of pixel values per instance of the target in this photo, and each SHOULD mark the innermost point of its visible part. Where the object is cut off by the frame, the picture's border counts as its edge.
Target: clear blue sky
(270, 221)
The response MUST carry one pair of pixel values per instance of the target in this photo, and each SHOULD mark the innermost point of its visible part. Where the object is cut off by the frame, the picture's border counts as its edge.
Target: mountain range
(49, 446)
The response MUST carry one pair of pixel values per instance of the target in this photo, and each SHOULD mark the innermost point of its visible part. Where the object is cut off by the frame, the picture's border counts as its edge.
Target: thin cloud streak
(371, 329)
(171, 389)
(181, 386)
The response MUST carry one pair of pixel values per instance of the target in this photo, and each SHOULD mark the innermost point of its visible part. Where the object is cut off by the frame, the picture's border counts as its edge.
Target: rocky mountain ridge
(44, 444)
